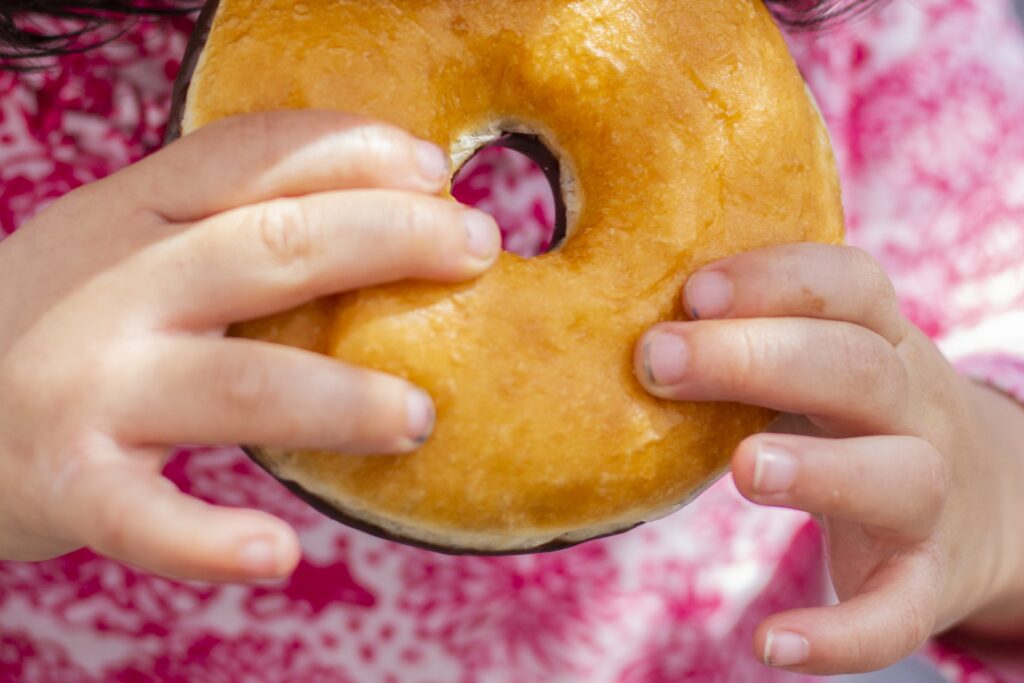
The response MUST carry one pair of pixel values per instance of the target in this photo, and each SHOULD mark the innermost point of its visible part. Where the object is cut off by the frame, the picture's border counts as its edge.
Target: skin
(115, 301)
(911, 468)
(913, 471)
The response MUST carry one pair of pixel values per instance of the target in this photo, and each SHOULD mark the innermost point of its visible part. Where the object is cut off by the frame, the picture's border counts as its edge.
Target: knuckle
(414, 222)
(878, 294)
(873, 268)
(881, 291)
(872, 276)
(245, 385)
(914, 624)
(864, 363)
(935, 483)
(376, 142)
(286, 233)
(750, 356)
(908, 631)
(417, 226)
(863, 653)
(895, 380)
(863, 262)
(733, 360)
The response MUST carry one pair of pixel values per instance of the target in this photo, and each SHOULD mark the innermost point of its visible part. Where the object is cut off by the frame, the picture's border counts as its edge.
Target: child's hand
(113, 304)
(916, 471)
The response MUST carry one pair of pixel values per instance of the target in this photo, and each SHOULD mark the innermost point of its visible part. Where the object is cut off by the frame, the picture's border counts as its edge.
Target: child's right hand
(113, 305)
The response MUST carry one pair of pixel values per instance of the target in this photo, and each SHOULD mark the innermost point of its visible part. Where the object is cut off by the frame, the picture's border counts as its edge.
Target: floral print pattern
(924, 103)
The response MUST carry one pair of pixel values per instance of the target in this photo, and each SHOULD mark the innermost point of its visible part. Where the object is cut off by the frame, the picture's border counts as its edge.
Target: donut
(675, 133)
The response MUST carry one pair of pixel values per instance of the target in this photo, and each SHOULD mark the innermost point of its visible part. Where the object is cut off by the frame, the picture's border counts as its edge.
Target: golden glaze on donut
(685, 134)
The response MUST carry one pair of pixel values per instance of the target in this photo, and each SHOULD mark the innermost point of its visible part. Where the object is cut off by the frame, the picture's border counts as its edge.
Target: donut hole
(515, 178)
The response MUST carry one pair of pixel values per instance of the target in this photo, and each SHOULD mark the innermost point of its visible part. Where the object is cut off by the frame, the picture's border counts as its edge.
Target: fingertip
(662, 358)
(291, 555)
(782, 642)
(768, 469)
(271, 553)
(641, 365)
(394, 418)
(785, 649)
(744, 462)
(483, 237)
(434, 165)
(420, 416)
(708, 293)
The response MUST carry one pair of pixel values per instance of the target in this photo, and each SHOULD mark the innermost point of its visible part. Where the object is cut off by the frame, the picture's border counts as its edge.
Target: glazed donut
(676, 132)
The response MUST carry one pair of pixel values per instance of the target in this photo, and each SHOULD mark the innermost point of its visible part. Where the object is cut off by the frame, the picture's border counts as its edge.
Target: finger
(799, 280)
(213, 391)
(265, 258)
(894, 483)
(843, 376)
(890, 618)
(248, 159)
(127, 511)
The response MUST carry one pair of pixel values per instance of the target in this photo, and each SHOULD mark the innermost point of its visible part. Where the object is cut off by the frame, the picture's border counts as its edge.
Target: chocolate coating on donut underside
(179, 93)
(337, 514)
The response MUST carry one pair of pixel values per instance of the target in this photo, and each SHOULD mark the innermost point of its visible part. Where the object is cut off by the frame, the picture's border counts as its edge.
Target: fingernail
(709, 294)
(433, 162)
(259, 557)
(785, 648)
(419, 415)
(774, 470)
(482, 237)
(665, 359)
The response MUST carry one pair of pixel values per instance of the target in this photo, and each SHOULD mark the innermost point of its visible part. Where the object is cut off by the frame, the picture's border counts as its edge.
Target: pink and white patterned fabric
(924, 100)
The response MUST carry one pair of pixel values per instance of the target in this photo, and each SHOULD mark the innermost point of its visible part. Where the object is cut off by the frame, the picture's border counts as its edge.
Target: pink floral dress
(925, 102)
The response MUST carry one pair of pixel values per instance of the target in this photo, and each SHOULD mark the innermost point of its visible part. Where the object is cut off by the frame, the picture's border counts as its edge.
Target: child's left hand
(916, 471)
